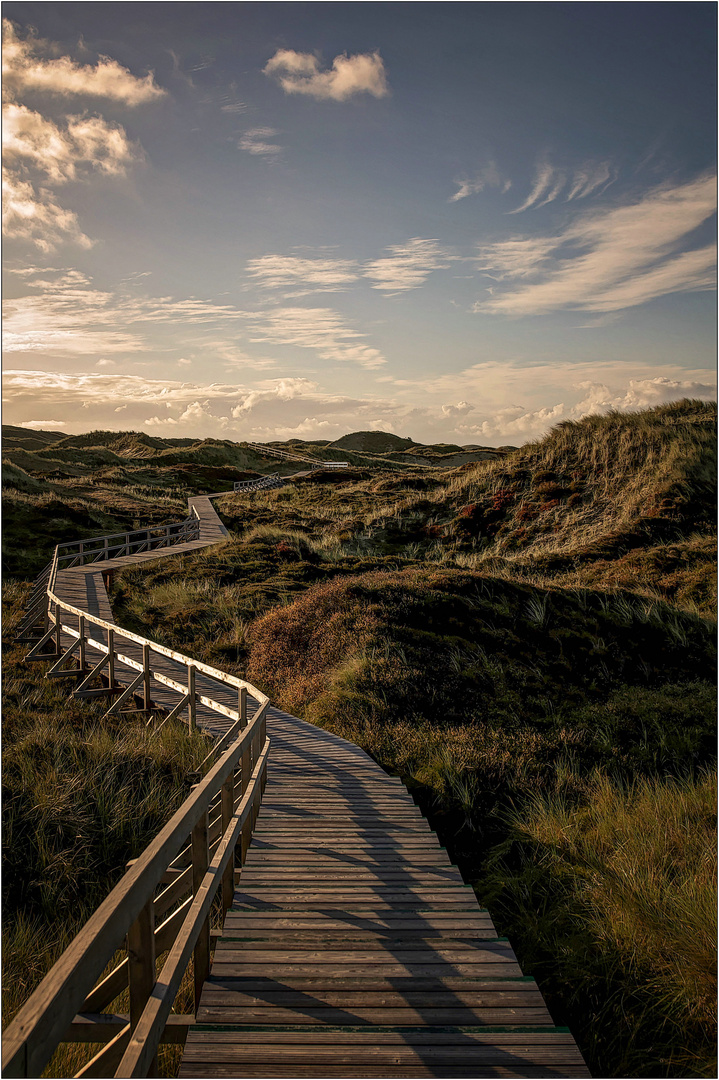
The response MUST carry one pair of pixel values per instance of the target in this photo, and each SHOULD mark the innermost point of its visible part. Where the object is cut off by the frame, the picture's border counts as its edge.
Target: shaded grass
(612, 902)
(81, 796)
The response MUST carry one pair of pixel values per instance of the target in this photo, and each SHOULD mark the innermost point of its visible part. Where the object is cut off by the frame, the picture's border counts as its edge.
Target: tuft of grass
(613, 904)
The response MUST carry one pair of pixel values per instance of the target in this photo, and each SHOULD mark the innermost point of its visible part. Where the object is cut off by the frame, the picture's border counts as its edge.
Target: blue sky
(452, 221)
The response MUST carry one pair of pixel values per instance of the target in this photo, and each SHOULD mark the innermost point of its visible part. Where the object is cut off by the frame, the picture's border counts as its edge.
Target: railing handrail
(133, 532)
(286, 454)
(162, 650)
(62, 992)
(269, 480)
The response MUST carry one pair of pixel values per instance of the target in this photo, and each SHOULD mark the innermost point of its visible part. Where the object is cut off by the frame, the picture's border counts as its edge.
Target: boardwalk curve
(351, 946)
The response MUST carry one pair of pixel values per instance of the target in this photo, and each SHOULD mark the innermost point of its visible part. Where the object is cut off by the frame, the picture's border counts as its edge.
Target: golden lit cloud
(300, 73)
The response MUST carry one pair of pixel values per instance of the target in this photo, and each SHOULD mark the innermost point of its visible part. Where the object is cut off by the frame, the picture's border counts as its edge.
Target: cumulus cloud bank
(40, 153)
(300, 73)
(294, 406)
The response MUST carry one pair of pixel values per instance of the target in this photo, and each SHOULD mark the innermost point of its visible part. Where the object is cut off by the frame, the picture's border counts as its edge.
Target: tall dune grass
(613, 903)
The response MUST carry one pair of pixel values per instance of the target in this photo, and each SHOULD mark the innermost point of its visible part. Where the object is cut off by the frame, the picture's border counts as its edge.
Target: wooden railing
(99, 548)
(291, 455)
(162, 904)
(286, 455)
(37, 604)
(273, 480)
(74, 635)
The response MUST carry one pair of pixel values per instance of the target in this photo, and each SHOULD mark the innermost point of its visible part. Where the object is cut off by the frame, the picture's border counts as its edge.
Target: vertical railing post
(58, 631)
(228, 877)
(245, 772)
(200, 860)
(263, 740)
(146, 697)
(111, 661)
(141, 966)
(191, 705)
(106, 555)
(242, 706)
(81, 631)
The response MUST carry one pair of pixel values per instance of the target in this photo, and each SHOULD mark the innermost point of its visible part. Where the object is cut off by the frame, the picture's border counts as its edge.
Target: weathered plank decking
(353, 947)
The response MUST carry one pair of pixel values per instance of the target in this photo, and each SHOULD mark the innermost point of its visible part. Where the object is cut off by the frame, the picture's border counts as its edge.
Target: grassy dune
(528, 641)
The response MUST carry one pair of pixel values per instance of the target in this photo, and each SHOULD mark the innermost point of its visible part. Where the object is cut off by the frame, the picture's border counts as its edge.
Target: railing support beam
(200, 862)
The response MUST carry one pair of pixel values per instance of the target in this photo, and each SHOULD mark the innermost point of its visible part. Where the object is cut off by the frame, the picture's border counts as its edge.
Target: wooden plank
(221, 1069)
(345, 983)
(453, 1016)
(408, 1055)
(226, 995)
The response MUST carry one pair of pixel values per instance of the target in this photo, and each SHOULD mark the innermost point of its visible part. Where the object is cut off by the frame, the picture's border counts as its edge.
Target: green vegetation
(623, 888)
(528, 640)
(81, 796)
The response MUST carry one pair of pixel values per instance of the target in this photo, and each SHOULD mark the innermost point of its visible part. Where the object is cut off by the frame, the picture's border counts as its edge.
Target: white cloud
(407, 266)
(279, 390)
(590, 178)
(61, 153)
(303, 274)
(320, 329)
(489, 176)
(514, 423)
(544, 181)
(299, 73)
(608, 260)
(549, 183)
(40, 153)
(65, 315)
(460, 409)
(255, 141)
(639, 394)
(34, 215)
(26, 67)
(39, 424)
(196, 417)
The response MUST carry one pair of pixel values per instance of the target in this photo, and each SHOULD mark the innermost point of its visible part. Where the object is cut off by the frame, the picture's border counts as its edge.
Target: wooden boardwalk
(353, 947)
